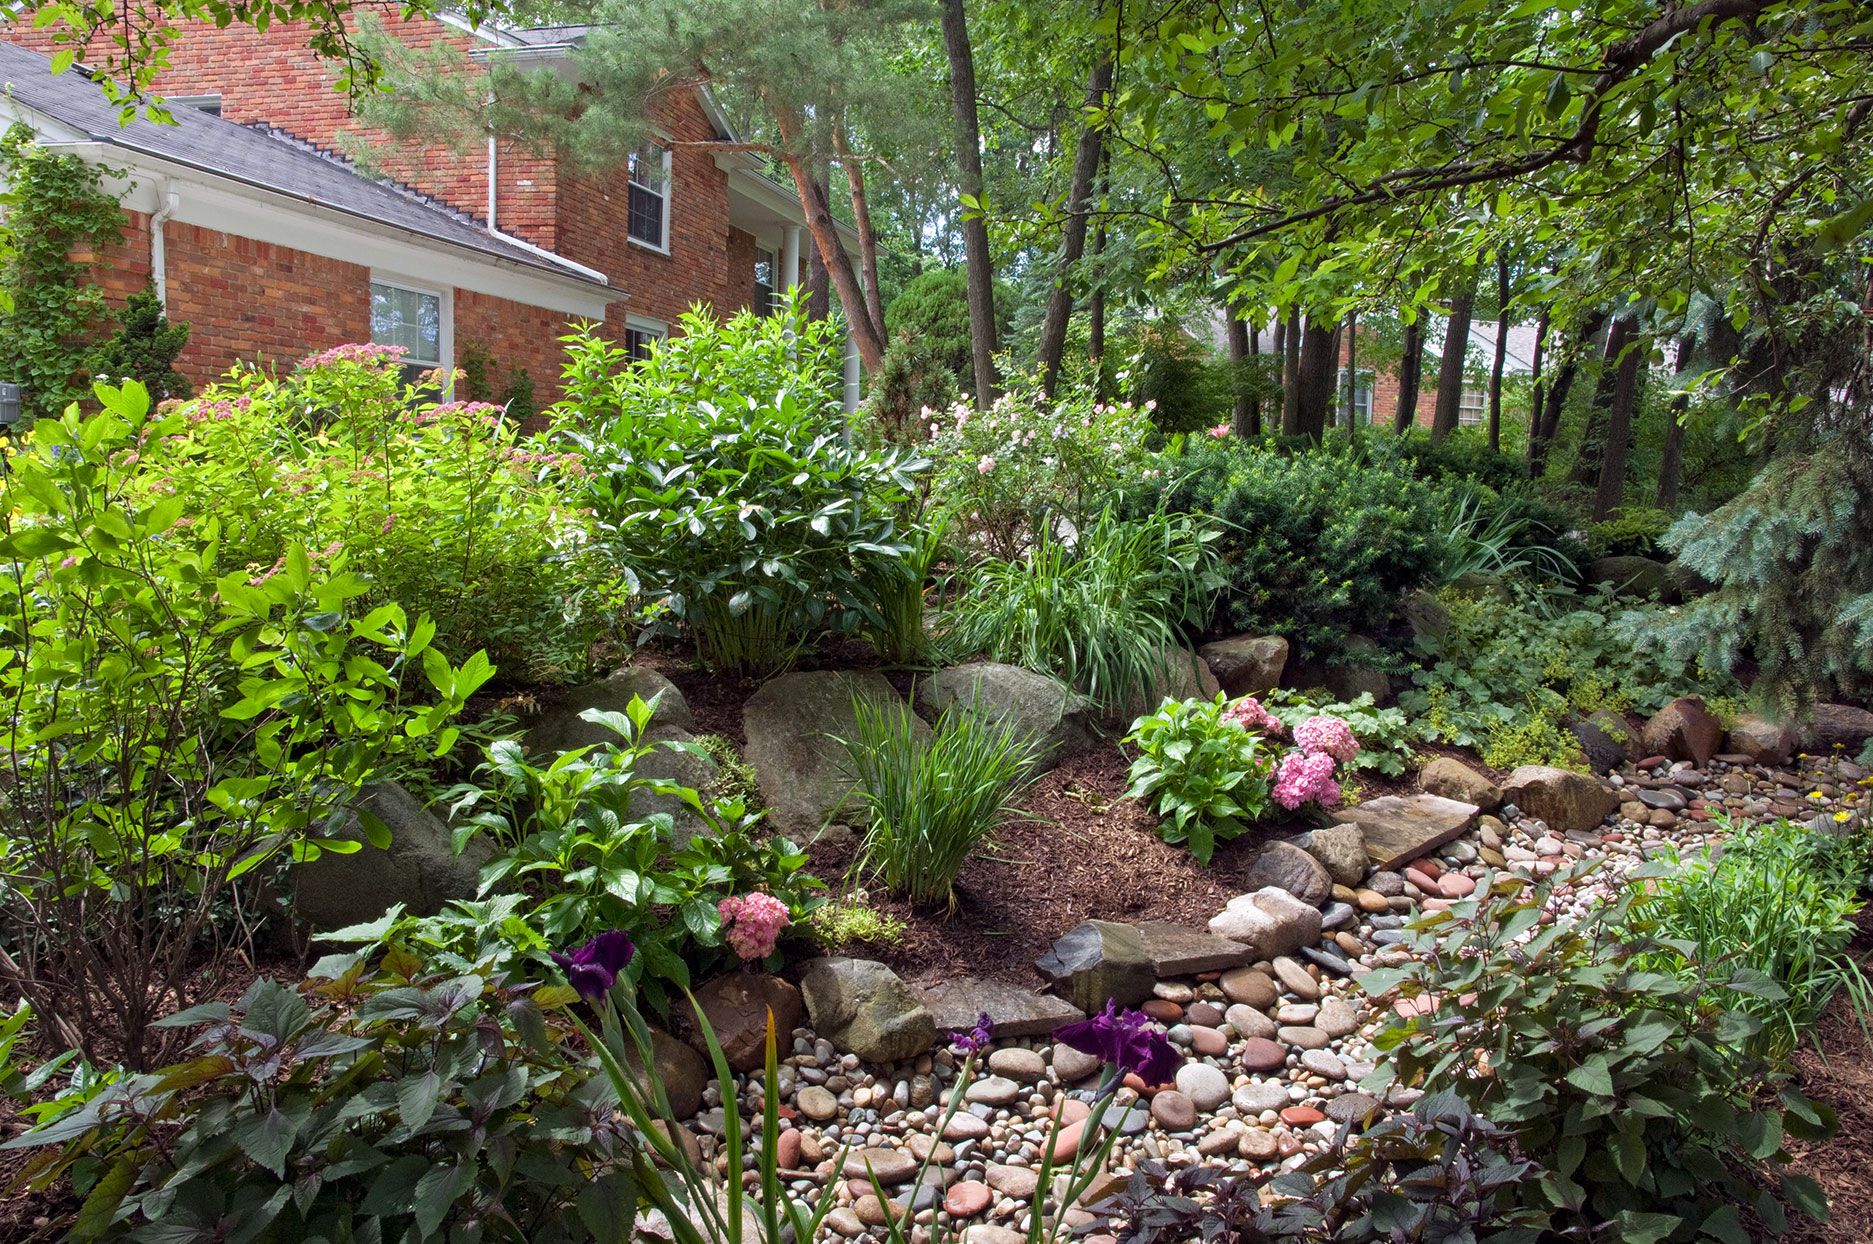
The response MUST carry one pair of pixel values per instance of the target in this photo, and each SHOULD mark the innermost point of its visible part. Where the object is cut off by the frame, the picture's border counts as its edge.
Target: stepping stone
(1400, 828)
(1098, 961)
(1015, 1011)
(1177, 951)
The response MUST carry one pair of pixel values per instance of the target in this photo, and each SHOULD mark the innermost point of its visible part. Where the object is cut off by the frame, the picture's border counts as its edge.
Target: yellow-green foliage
(851, 921)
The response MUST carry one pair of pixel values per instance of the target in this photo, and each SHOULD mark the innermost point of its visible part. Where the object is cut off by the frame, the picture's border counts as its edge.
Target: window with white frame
(649, 209)
(1470, 406)
(642, 335)
(414, 318)
(1362, 396)
(210, 104)
(764, 269)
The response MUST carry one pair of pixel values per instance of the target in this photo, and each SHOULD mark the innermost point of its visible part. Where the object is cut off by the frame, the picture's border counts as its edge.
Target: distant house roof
(259, 157)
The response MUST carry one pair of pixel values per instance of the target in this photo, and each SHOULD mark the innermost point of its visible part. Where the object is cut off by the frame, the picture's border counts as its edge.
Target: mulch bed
(1836, 1066)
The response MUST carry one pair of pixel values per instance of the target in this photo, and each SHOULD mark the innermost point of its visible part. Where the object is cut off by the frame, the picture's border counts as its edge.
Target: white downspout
(492, 227)
(854, 389)
(168, 200)
(525, 245)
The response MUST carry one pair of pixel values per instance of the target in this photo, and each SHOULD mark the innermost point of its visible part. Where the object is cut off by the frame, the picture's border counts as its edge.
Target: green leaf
(267, 1139)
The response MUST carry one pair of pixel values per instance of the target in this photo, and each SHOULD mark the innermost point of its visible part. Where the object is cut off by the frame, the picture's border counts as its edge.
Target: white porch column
(790, 257)
(854, 390)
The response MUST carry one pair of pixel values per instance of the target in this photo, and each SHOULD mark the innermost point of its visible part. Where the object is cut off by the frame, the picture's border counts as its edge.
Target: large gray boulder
(1100, 960)
(1036, 705)
(1451, 778)
(1287, 867)
(1764, 741)
(1271, 922)
(863, 1008)
(1247, 664)
(1569, 802)
(1683, 730)
(1181, 675)
(1341, 850)
(1838, 725)
(793, 725)
(1634, 576)
(419, 869)
(1605, 740)
(1349, 677)
(562, 727)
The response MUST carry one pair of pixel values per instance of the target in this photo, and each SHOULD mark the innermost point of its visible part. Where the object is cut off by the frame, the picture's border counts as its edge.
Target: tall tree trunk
(1096, 298)
(1244, 414)
(861, 217)
(1672, 465)
(1410, 373)
(1291, 377)
(1086, 156)
(867, 333)
(818, 283)
(1352, 371)
(1588, 463)
(1255, 381)
(1536, 390)
(1502, 346)
(1319, 353)
(978, 261)
(1612, 486)
(1554, 405)
(1450, 369)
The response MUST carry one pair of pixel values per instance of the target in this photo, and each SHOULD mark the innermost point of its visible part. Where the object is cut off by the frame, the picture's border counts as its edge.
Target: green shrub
(1102, 613)
(1505, 679)
(1175, 378)
(1316, 545)
(388, 1103)
(722, 476)
(1464, 455)
(929, 802)
(584, 834)
(144, 349)
(910, 389)
(443, 508)
(172, 729)
(1634, 532)
(853, 921)
(898, 590)
(1504, 535)
(1778, 900)
(1635, 1088)
(1027, 468)
(932, 311)
(1206, 778)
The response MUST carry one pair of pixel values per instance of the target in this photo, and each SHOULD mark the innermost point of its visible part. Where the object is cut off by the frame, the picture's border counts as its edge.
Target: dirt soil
(1836, 1066)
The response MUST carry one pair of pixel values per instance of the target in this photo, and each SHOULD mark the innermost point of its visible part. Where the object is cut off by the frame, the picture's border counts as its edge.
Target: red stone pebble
(1067, 1143)
(1073, 1108)
(1301, 1116)
(787, 1149)
(1162, 1011)
(967, 1199)
(1261, 1054)
(1208, 1041)
(1428, 866)
(1456, 885)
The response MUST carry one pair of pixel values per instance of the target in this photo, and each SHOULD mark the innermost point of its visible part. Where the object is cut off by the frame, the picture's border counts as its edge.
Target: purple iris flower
(1126, 1039)
(593, 968)
(976, 1039)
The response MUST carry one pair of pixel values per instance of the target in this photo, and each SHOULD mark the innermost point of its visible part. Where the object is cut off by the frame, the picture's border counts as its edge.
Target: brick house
(254, 227)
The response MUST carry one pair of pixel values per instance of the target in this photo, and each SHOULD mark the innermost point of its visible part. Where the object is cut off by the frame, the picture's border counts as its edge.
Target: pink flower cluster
(1250, 715)
(1304, 777)
(752, 924)
(1327, 735)
(361, 352)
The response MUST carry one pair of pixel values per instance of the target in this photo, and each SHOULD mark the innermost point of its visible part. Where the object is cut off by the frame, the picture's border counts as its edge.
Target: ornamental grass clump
(931, 800)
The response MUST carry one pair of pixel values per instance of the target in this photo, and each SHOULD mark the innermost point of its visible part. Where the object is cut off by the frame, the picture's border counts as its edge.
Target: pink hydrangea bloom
(1250, 715)
(1329, 735)
(986, 465)
(1303, 778)
(752, 924)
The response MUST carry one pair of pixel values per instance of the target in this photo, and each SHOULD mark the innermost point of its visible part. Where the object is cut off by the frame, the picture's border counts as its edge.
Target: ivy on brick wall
(56, 210)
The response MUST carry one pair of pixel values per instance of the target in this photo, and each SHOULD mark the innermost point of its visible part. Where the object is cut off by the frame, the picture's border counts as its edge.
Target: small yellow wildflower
(1815, 794)
(1841, 818)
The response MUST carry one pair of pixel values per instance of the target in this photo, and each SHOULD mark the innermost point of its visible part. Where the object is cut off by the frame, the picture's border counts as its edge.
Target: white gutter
(168, 200)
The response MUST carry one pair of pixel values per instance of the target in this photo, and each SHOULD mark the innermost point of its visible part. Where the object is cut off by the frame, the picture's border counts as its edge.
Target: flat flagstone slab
(1177, 951)
(1015, 1011)
(1400, 828)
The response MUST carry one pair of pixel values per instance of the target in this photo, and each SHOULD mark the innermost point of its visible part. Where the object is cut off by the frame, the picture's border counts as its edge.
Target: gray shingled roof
(257, 157)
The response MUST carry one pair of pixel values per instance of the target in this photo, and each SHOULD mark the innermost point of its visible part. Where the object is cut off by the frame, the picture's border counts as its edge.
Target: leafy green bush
(1636, 1089)
(1206, 778)
(397, 1104)
(1634, 531)
(1316, 545)
(144, 349)
(1101, 613)
(1175, 378)
(1384, 734)
(853, 921)
(1504, 534)
(443, 508)
(596, 840)
(172, 729)
(932, 311)
(929, 802)
(898, 590)
(1464, 455)
(1778, 900)
(1024, 469)
(1505, 679)
(910, 388)
(722, 476)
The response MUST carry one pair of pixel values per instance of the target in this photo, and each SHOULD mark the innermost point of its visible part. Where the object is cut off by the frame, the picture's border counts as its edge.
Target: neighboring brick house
(256, 229)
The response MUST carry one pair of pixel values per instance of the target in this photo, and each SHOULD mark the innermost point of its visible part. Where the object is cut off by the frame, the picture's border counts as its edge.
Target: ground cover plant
(723, 482)
(1776, 900)
(1637, 1090)
(1103, 611)
(1384, 734)
(931, 802)
(1505, 678)
(174, 731)
(446, 508)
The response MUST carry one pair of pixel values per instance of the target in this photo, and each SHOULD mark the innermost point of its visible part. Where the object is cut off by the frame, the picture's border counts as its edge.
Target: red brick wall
(515, 336)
